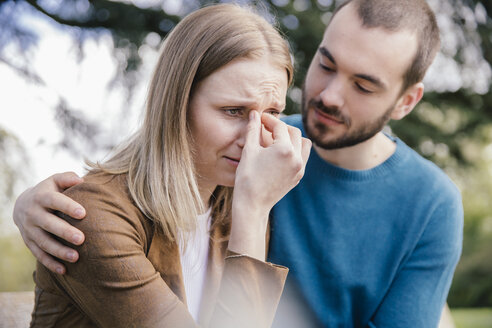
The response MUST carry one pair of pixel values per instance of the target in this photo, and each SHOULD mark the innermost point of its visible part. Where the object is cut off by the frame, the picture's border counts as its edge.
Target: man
(373, 231)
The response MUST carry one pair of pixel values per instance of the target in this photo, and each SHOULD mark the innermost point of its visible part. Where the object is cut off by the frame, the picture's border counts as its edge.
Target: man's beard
(351, 138)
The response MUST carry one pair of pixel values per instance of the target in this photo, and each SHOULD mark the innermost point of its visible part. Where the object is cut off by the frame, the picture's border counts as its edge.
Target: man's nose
(333, 93)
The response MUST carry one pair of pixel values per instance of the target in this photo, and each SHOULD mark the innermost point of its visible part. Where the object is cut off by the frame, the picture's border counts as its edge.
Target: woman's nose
(241, 133)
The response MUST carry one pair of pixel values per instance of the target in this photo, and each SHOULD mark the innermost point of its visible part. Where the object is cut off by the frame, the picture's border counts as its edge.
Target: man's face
(354, 81)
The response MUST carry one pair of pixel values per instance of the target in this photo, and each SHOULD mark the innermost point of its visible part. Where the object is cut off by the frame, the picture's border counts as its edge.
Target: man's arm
(33, 215)
(418, 293)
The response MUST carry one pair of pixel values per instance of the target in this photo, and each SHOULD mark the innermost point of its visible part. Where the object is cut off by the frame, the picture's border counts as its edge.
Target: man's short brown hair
(396, 15)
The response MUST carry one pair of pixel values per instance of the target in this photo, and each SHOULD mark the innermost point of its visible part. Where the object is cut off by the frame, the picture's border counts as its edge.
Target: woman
(169, 242)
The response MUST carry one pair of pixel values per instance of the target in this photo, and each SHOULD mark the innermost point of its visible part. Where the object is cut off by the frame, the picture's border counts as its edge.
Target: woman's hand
(263, 177)
(33, 215)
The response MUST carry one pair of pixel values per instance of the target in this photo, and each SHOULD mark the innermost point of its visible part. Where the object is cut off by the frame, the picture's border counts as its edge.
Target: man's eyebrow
(374, 80)
(323, 51)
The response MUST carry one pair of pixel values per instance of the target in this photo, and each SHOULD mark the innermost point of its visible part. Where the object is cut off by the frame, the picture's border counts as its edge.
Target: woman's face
(219, 110)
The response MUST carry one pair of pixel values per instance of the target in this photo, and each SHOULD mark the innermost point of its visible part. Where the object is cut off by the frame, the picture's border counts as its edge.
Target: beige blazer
(129, 275)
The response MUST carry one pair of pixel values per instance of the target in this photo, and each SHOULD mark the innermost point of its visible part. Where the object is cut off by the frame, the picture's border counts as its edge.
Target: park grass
(472, 318)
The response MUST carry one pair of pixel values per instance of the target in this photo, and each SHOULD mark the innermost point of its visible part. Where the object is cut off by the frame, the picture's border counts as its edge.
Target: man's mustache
(332, 111)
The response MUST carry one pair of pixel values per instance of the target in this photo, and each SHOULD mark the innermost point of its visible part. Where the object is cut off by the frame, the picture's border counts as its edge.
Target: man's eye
(362, 89)
(326, 68)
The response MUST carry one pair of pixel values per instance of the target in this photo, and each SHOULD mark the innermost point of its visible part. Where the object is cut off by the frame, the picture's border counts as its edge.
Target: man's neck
(363, 156)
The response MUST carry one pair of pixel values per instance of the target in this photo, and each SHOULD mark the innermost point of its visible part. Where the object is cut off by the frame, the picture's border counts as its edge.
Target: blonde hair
(159, 157)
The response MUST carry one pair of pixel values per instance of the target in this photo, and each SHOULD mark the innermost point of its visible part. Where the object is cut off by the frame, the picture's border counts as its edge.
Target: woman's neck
(206, 191)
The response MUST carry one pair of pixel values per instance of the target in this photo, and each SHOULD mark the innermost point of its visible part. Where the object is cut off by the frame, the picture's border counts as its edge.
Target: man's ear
(406, 103)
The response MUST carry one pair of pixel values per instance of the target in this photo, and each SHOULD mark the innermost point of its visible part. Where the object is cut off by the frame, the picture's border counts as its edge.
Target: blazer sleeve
(116, 285)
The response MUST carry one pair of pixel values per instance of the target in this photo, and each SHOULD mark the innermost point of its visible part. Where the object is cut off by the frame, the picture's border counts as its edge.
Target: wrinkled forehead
(254, 81)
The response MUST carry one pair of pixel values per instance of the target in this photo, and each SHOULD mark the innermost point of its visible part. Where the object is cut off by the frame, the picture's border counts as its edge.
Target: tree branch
(116, 16)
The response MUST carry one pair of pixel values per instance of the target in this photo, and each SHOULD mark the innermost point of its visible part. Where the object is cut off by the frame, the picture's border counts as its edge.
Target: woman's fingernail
(59, 270)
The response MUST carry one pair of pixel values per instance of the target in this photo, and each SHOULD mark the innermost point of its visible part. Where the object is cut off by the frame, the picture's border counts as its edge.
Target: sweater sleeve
(417, 294)
(114, 284)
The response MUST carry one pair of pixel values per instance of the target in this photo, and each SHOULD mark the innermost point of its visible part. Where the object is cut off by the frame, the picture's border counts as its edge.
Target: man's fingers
(60, 228)
(59, 202)
(49, 245)
(66, 180)
(46, 259)
(276, 126)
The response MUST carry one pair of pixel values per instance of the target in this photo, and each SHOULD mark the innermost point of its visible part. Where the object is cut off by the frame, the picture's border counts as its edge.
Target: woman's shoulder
(110, 210)
(100, 184)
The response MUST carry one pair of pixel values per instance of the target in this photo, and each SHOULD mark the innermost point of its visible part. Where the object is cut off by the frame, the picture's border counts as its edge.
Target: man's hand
(33, 215)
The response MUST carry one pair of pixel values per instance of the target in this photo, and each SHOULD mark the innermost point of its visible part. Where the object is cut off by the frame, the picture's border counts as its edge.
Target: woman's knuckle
(298, 165)
(297, 133)
(300, 174)
(286, 152)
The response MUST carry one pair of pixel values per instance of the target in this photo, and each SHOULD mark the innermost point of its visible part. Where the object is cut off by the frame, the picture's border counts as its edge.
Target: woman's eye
(234, 111)
(274, 113)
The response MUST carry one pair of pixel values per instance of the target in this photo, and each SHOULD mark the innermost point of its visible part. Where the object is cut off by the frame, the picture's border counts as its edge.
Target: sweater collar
(376, 172)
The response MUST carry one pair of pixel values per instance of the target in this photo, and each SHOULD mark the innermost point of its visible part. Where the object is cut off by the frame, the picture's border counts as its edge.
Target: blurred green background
(452, 126)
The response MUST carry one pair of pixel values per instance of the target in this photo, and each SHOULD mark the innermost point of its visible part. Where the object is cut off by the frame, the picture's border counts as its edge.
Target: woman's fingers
(306, 149)
(253, 130)
(295, 138)
(277, 127)
(266, 137)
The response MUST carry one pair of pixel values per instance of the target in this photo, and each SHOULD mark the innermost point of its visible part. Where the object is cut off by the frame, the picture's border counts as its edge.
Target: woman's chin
(228, 181)
(227, 184)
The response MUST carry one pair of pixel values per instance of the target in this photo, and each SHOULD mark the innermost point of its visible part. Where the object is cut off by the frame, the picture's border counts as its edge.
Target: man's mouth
(327, 118)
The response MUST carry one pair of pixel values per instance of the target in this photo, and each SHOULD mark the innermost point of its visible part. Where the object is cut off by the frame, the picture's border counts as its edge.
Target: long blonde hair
(159, 157)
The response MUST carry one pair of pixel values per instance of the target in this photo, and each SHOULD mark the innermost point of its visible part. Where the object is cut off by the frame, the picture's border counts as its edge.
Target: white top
(194, 262)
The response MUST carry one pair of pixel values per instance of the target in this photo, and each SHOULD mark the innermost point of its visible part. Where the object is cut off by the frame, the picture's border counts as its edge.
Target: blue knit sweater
(374, 248)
